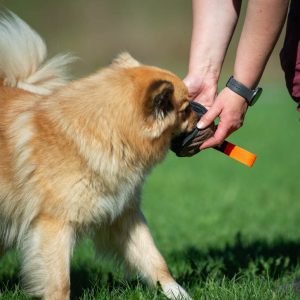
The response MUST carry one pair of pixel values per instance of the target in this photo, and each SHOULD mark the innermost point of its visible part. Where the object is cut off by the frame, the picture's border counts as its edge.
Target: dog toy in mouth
(187, 144)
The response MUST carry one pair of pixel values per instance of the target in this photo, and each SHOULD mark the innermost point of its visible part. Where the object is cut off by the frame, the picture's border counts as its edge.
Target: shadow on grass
(84, 277)
(257, 257)
(83, 280)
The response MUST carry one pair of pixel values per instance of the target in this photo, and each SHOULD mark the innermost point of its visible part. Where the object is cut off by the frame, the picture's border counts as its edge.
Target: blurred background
(155, 32)
(202, 204)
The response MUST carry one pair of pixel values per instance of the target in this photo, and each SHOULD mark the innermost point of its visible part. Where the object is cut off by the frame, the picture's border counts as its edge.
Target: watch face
(256, 95)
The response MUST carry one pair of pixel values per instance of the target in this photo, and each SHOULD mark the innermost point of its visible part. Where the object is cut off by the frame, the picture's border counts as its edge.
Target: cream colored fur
(74, 155)
(23, 54)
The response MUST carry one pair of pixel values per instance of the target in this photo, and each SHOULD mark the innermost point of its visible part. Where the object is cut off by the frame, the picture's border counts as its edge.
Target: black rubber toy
(185, 139)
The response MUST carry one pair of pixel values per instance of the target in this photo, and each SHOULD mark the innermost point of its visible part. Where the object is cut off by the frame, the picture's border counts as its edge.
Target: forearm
(213, 25)
(262, 26)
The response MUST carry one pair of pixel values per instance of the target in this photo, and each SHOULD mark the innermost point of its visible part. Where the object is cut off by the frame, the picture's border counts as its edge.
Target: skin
(211, 36)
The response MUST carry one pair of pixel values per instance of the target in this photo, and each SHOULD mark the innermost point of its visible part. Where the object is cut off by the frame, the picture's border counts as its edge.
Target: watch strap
(240, 89)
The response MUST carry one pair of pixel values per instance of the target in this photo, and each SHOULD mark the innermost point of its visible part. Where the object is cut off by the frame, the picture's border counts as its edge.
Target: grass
(226, 231)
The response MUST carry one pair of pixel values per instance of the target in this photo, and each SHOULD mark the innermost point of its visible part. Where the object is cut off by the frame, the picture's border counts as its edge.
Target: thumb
(209, 117)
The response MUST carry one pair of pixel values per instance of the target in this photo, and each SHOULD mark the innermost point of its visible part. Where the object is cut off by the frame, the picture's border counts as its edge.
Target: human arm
(262, 26)
(213, 25)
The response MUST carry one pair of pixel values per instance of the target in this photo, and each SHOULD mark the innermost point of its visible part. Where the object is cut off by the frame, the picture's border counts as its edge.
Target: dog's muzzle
(182, 142)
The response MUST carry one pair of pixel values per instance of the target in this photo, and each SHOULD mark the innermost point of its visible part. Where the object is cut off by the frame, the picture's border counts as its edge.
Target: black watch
(251, 96)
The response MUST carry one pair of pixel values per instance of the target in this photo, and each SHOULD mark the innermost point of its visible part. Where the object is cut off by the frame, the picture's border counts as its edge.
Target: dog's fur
(74, 155)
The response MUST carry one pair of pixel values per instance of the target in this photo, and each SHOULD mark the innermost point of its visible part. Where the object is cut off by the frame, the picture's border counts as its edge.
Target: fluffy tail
(22, 58)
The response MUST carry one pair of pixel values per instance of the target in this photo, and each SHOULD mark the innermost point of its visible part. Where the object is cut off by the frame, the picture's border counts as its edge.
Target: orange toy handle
(241, 155)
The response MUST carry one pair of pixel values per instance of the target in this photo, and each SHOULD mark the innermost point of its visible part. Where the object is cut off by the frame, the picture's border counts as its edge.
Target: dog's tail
(22, 58)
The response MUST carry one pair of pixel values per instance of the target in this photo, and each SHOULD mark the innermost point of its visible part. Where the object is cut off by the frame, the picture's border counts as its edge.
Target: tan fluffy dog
(75, 155)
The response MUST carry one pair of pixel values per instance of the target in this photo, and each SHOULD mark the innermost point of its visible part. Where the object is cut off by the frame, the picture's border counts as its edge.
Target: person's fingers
(207, 96)
(201, 90)
(220, 135)
(192, 87)
(209, 117)
(207, 100)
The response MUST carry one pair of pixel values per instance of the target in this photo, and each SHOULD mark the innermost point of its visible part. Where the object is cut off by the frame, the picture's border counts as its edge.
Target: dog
(74, 156)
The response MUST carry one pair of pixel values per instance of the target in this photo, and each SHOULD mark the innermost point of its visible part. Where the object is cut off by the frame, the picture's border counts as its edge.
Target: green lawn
(226, 231)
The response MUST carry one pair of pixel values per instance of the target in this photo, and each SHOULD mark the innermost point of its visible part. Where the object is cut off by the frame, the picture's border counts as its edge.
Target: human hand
(231, 109)
(202, 88)
(193, 147)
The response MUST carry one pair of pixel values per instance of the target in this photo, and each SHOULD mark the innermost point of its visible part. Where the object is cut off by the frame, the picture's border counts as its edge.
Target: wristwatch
(251, 96)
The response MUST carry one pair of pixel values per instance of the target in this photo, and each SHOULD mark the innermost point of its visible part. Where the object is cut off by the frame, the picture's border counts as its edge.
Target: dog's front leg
(46, 250)
(131, 235)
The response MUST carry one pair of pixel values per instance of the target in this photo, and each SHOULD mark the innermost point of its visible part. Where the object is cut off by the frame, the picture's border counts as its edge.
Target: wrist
(250, 95)
(235, 100)
(250, 84)
(203, 73)
(248, 79)
(236, 97)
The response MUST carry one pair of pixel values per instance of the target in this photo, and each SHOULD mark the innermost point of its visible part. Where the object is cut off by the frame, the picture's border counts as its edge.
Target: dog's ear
(125, 60)
(159, 98)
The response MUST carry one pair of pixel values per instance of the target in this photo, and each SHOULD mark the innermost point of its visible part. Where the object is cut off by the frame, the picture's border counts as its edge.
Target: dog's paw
(174, 291)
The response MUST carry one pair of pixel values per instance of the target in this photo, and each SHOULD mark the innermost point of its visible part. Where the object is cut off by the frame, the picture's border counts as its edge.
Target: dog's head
(161, 108)
(166, 107)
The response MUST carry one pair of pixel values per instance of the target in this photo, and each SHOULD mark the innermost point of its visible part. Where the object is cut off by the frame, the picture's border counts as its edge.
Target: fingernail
(200, 125)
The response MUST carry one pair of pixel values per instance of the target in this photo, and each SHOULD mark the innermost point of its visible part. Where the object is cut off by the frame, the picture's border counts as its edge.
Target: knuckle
(235, 124)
